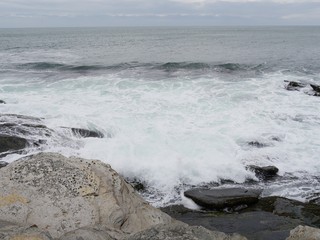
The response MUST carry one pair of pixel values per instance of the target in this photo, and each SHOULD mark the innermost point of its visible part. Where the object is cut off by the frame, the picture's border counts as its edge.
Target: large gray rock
(60, 195)
(304, 233)
(181, 231)
(9, 231)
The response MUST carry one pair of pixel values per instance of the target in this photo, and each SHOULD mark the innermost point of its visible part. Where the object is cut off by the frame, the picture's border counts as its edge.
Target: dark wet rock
(264, 173)
(223, 198)
(85, 133)
(254, 224)
(138, 186)
(181, 231)
(11, 143)
(315, 201)
(316, 88)
(18, 132)
(277, 139)
(3, 164)
(257, 144)
(2, 102)
(270, 218)
(308, 213)
(295, 86)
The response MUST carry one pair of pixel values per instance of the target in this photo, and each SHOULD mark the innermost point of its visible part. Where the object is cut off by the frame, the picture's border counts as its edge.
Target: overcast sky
(66, 13)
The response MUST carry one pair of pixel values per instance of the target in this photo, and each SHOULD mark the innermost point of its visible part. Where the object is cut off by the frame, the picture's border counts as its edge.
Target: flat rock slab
(223, 198)
(255, 225)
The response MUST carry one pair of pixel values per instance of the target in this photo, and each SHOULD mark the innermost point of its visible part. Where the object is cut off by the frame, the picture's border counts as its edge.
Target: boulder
(304, 233)
(294, 86)
(12, 143)
(257, 144)
(181, 231)
(2, 102)
(60, 195)
(264, 173)
(315, 88)
(223, 197)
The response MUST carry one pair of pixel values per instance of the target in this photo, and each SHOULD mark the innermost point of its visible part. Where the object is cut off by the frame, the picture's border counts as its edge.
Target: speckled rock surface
(181, 231)
(9, 231)
(304, 233)
(60, 194)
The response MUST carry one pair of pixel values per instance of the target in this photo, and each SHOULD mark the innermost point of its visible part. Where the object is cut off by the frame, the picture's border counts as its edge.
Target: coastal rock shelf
(48, 196)
(18, 132)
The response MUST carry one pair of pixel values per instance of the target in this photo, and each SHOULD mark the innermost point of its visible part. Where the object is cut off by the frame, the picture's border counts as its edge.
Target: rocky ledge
(48, 196)
(18, 132)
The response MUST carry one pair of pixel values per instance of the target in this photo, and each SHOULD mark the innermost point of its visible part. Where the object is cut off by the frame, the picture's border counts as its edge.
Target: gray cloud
(42, 13)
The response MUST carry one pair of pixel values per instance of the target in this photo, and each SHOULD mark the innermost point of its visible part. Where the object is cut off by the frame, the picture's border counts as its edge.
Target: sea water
(177, 106)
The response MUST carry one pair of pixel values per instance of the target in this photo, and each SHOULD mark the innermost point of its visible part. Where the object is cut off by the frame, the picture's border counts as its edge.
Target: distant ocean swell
(169, 66)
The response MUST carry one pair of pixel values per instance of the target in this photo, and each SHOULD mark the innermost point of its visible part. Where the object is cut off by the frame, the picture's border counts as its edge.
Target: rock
(12, 143)
(23, 126)
(254, 224)
(18, 132)
(60, 195)
(307, 213)
(257, 144)
(304, 233)
(295, 86)
(3, 164)
(10, 231)
(264, 173)
(92, 233)
(316, 88)
(180, 231)
(85, 133)
(2, 102)
(137, 184)
(223, 198)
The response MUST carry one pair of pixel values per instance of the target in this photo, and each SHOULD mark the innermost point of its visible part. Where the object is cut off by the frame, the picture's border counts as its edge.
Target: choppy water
(178, 105)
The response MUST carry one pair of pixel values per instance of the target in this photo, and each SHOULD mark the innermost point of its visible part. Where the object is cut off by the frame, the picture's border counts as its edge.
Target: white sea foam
(179, 131)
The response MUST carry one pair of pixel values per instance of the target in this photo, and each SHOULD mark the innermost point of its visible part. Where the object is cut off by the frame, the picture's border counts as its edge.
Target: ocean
(178, 106)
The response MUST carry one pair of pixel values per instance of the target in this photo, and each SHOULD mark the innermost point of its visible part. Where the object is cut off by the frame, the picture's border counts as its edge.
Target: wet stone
(264, 173)
(11, 143)
(223, 198)
(257, 144)
(295, 86)
(85, 133)
(315, 88)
